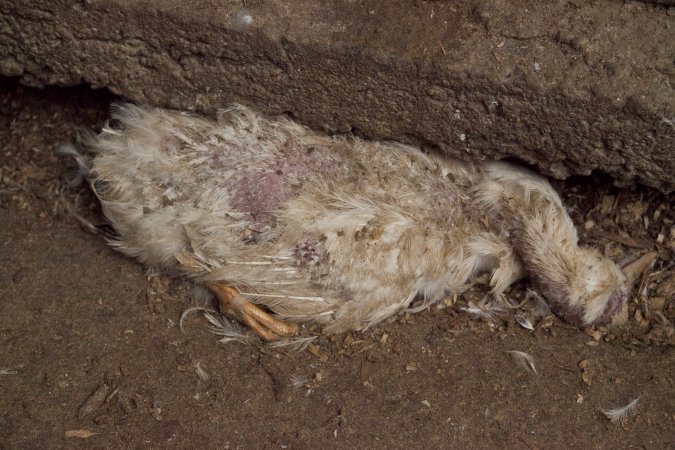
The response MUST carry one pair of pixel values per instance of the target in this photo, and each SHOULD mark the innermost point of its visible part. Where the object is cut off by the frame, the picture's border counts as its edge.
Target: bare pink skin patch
(261, 190)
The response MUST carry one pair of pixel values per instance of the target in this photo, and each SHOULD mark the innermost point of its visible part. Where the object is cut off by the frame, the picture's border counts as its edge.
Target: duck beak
(633, 269)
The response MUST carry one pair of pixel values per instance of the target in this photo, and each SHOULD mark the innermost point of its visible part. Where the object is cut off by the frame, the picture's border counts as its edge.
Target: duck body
(343, 232)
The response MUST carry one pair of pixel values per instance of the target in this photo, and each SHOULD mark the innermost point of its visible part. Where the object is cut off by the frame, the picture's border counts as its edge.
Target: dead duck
(283, 225)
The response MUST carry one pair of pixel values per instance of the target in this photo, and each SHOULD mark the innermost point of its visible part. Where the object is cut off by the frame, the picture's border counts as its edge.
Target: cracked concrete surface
(571, 86)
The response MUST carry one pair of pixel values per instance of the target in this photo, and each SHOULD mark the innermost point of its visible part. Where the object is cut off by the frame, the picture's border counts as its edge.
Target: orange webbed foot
(257, 319)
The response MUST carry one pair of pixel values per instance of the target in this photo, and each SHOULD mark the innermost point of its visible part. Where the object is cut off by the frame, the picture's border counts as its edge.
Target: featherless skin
(338, 231)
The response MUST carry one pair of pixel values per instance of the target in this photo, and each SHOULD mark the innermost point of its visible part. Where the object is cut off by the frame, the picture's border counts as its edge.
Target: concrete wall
(570, 86)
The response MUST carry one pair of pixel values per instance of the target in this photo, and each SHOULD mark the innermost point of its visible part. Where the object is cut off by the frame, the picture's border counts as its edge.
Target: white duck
(270, 216)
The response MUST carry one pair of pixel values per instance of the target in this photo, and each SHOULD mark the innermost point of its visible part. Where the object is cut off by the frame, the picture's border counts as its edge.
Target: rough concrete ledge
(571, 86)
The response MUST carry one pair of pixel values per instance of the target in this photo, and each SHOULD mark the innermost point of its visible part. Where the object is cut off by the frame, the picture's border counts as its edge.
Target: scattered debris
(484, 310)
(112, 395)
(445, 53)
(156, 411)
(156, 291)
(82, 434)
(595, 333)
(93, 402)
(587, 370)
(316, 351)
(411, 367)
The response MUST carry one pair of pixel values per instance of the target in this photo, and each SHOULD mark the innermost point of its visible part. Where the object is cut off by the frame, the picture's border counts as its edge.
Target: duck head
(592, 289)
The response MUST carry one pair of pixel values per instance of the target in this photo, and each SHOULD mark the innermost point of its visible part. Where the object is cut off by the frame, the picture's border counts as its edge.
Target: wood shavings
(316, 351)
(93, 402)
(587, 371)
(82, 434)
(608, 204)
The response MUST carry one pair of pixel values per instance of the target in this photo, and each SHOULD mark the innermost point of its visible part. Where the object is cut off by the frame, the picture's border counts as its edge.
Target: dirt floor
(91, 354)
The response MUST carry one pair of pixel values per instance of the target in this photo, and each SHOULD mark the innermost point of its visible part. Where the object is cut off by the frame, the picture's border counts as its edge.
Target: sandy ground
(91, 354)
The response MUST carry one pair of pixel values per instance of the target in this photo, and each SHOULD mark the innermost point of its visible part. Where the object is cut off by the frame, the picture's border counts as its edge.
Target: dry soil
(91, 354)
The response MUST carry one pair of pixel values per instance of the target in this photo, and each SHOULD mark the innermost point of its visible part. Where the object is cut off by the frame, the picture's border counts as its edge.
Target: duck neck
(531, 214)
(547, 244)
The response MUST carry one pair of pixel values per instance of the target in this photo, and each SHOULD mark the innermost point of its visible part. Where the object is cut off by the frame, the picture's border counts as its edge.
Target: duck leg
(257, 319)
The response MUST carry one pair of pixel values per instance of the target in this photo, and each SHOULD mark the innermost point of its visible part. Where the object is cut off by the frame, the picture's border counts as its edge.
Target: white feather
(524, 360)
(524, 322)
(622, 413)
(227, 329)
(190, 311)
(293, 344)
(201, 373)
(298, 381)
